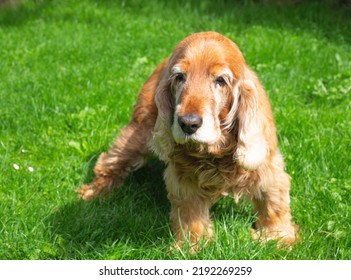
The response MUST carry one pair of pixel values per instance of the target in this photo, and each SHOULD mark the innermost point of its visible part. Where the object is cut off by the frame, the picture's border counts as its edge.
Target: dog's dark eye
(180, 78)
(220, 81)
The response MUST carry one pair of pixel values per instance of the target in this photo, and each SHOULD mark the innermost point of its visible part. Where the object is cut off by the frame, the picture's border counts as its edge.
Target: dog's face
(203, 73)
(207, 95)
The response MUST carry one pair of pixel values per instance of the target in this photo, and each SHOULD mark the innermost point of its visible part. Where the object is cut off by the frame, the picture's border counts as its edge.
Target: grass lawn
(70, 72)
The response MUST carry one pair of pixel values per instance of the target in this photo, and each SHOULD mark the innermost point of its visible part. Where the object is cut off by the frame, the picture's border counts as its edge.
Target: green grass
(69, 75)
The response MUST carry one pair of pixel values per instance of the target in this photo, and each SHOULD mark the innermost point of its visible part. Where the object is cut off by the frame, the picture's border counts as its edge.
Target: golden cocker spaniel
(205, 114)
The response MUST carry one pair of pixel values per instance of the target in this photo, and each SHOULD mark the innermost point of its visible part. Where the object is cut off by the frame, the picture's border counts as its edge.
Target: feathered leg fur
(130, 148)
(112, 168)
(272, 207)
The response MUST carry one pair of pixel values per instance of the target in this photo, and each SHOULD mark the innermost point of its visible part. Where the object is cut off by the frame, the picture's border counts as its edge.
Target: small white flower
(15, 166)
(30, 169)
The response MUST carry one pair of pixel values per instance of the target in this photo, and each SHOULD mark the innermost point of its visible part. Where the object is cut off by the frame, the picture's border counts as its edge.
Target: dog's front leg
(190, 221)
(273, 210)
(190, 216)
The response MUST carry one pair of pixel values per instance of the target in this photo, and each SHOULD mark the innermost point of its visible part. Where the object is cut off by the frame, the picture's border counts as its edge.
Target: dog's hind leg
(130, 148)
(126, 154)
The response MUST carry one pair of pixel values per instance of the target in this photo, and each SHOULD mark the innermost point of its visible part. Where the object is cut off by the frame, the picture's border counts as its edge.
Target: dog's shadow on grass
(133, 217)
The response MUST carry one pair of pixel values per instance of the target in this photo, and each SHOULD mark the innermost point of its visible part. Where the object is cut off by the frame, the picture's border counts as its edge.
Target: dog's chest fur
(214, 175)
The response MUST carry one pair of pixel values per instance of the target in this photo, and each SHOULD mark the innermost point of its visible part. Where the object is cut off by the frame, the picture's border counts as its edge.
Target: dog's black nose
(190, 123)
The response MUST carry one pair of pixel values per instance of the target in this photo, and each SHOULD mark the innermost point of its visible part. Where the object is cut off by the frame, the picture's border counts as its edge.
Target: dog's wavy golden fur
(206, 115)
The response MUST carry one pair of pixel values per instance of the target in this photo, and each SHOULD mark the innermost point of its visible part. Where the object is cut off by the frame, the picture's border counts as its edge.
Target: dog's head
(207, 89)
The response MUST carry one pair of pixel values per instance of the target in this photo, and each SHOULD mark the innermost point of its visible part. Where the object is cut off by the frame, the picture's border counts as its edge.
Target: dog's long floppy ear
(256, 131)
(162, 143)
(163, 96)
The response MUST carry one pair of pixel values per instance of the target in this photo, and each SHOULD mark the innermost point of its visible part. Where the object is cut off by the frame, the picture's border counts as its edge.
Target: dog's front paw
(86, 192)
(285, 236)
(184, 246)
